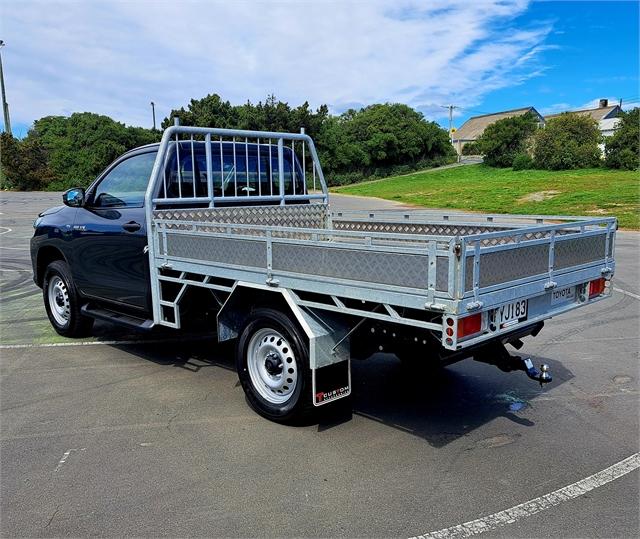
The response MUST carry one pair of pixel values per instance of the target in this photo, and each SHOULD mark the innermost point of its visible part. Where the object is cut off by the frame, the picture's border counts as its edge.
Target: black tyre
(62, 302)
(272, 359)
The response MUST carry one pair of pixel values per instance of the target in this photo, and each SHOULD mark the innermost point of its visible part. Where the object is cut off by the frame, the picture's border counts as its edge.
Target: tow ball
(499, 356)
(543, 375)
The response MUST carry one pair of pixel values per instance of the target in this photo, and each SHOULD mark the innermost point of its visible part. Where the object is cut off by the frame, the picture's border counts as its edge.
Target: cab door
(110, 236)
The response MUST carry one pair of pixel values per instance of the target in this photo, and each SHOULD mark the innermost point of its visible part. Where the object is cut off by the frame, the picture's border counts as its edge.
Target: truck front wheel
(272, 359)
(62, 303)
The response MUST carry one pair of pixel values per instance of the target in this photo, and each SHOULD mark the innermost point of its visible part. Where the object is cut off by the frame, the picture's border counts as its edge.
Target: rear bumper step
(117, 318)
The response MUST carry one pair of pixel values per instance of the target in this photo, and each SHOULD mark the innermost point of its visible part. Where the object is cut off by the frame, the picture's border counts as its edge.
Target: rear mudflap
(331, 383)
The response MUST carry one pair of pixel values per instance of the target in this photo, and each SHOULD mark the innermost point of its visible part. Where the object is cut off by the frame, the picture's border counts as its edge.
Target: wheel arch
(327, 334)
(46, 255)
(245, 298)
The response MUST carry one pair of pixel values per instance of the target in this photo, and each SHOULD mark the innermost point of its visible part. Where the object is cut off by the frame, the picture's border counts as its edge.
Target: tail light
(596, 287)
(469, 325)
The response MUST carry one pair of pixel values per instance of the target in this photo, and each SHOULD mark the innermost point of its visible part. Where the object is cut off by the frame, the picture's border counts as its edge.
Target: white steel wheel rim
(58, 296)
(272, 366)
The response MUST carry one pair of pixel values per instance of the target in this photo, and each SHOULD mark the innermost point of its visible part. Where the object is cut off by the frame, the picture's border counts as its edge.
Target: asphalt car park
(150, 435)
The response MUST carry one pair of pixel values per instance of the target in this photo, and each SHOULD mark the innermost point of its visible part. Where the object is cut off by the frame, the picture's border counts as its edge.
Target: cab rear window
(239, 170)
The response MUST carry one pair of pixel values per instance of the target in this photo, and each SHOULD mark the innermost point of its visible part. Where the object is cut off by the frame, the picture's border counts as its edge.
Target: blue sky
(591, 52)
(114, 57)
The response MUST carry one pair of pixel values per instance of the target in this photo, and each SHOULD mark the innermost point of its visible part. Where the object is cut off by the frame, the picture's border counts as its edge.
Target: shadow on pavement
(439, 408)
(447, 404)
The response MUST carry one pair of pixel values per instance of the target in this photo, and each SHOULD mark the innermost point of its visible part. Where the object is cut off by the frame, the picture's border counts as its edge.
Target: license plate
(563, 295)
(511, 313)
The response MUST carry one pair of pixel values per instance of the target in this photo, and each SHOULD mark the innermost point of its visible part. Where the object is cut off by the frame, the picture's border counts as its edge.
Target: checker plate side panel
(407, 270)
(509, 265)
(239, 252)
(579, 251)
(294, 215)
(442, 229)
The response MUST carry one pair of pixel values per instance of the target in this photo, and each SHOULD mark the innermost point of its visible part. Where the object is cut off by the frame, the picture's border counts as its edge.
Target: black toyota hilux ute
(232, 230)
(89, 254)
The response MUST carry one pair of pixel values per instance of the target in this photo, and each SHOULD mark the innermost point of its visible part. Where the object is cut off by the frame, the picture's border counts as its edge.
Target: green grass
(480, 188)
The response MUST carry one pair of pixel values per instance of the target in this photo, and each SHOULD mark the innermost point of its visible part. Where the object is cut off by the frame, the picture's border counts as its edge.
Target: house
(606, 115)
(475, 126)
(608, 126)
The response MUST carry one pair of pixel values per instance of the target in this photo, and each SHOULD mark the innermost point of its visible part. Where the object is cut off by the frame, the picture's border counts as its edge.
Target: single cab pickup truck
(231, 232)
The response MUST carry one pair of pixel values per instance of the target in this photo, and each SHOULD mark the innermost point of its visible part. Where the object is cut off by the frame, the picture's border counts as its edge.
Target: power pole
(5, 105)
(153, 111)
(450, 107)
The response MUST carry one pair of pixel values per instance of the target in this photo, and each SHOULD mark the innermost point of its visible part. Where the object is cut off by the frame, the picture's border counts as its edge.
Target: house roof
(597, 114)
(475, 126)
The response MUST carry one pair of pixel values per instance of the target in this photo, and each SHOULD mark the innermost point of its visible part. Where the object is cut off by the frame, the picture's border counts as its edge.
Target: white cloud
(115, 57)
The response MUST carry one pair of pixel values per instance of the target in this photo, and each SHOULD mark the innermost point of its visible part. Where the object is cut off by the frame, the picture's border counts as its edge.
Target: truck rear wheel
(272, 359)
(62, 303)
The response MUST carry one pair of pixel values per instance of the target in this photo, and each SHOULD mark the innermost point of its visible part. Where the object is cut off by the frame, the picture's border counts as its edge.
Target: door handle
(131, 226)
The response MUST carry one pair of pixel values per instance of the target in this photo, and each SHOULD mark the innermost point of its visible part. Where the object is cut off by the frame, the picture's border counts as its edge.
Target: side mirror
(73, 197)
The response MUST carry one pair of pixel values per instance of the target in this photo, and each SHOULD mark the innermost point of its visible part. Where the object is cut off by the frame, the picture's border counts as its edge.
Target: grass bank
(589, 192)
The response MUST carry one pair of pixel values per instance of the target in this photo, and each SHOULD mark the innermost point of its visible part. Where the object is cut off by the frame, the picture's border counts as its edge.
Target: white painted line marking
(16, 270)
(526, 509)
(65, 457)
(635, 296)
(97, 343)
(15, 248)
(6, 231)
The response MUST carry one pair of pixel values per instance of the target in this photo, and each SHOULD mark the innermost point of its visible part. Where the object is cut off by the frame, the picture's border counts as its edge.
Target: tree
(80, 146)
(503, 140)
(272, 115)
(210, 111)
(375, 140)
(61, 152)
(357, 144)
(622, 149)
(24, 164)
(568, 141)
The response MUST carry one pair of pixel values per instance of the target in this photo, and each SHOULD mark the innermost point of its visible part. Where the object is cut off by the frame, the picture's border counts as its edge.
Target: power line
(476, 111)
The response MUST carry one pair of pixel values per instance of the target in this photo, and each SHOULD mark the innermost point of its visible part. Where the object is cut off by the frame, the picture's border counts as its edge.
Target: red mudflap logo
(323, 396)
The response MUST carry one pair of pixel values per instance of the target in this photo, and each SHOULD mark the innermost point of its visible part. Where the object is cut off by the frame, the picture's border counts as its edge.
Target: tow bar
(543, 376)
(498, 355)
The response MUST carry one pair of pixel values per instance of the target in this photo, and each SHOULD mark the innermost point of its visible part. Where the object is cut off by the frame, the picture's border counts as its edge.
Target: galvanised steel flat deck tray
(408, 267)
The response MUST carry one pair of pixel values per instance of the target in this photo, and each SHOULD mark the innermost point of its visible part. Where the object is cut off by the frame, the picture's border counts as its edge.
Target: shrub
(503, 140)
(470, 148)
(568, 141)
(522, 161)
(622, 149)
